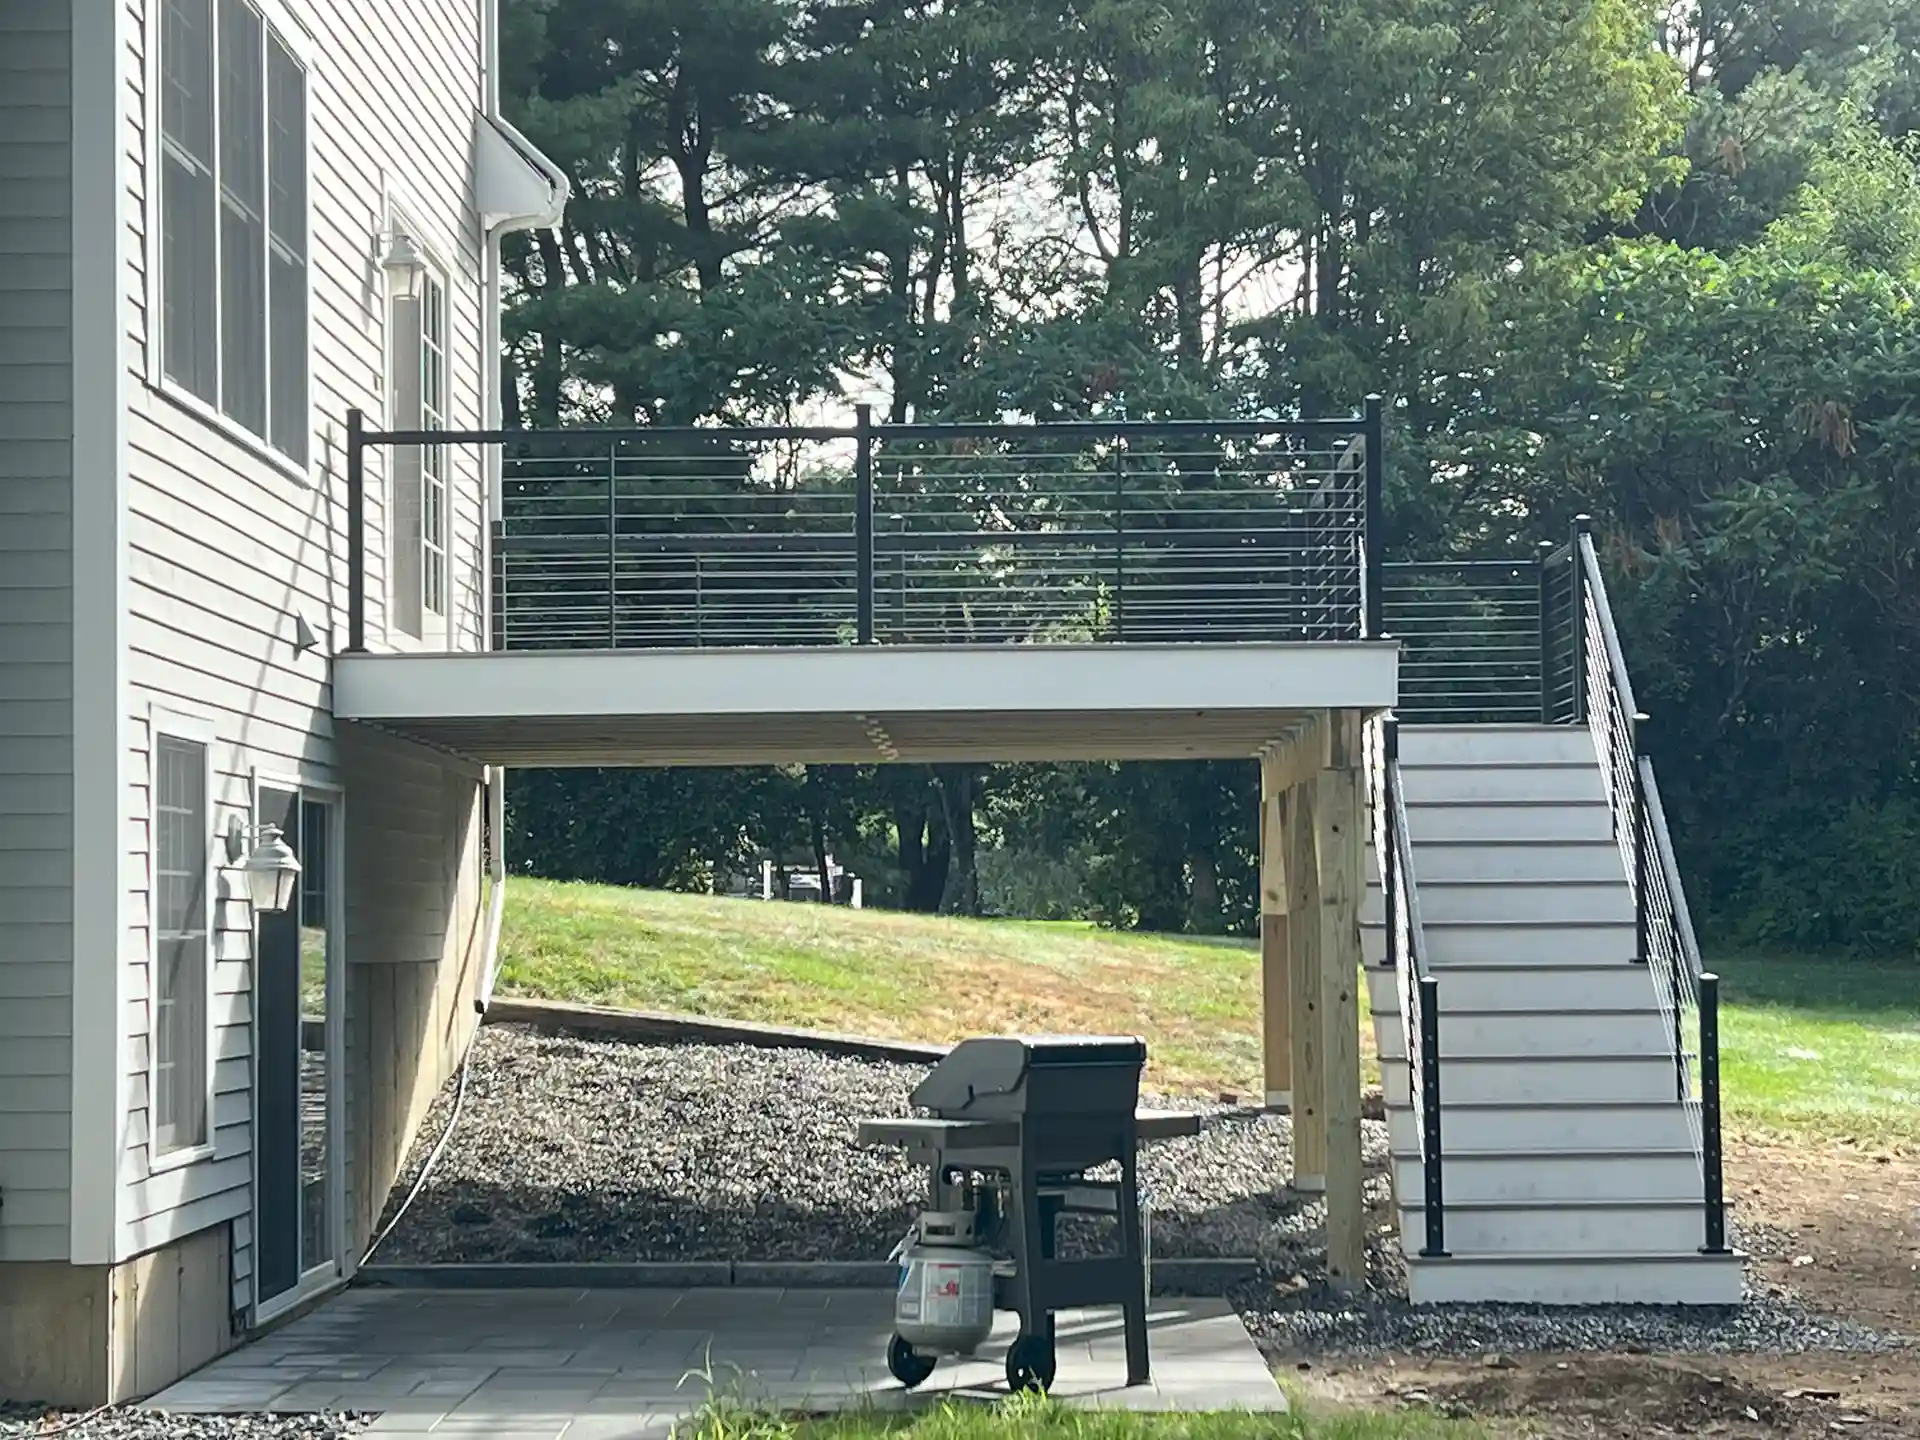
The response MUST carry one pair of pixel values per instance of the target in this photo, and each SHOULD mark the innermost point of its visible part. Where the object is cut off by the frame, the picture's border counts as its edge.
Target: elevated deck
(862, 704)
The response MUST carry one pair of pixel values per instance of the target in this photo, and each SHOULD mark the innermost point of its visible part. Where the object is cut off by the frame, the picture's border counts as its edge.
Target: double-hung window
(182, 867)
(418, 325)
(233, 218)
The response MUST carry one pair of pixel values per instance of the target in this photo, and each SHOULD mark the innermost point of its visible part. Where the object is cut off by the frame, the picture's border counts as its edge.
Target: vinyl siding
(36, 627)
(228, 549)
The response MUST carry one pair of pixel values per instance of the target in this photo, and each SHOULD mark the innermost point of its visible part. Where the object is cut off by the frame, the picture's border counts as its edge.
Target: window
(419, 566)
(181, 854)
(233, 218)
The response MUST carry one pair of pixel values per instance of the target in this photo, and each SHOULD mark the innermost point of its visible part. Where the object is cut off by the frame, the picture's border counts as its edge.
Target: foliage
(1658, 263)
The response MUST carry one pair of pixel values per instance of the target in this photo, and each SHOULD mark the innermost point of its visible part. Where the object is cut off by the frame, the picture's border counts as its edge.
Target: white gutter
(497, 872)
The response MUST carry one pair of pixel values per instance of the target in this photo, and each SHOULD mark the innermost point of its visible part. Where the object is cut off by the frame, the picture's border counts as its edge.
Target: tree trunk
(1203, 894)
(962, 890)
(819, 837)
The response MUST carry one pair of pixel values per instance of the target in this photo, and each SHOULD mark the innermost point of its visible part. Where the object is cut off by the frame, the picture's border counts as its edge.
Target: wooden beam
(1303, 980)
(1276, 1010)
(1297, 756)
(1339, 836)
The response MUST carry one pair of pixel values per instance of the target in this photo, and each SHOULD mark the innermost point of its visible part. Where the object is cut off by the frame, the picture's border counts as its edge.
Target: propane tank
(944, 1305)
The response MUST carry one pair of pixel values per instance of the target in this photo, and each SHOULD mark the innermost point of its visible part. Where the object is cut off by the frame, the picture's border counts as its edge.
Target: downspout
(497, 873)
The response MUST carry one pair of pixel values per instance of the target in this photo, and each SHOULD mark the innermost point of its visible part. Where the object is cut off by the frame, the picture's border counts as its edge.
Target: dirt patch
(1837, 1226)
(1631, 1397)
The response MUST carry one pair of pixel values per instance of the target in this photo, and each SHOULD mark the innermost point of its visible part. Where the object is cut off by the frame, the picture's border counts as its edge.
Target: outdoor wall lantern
(272, 871)
(405, 264)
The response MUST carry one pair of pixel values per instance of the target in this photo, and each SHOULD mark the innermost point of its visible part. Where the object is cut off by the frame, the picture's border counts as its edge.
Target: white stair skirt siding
(1571, 1169)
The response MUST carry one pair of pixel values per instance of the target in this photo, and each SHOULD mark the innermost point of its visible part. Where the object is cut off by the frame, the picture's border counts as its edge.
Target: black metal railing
(1533, 640)
(920, 534)
(1664, 937)
(1406, 956)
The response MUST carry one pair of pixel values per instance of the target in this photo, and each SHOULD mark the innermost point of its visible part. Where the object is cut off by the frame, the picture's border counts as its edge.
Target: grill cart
(1017, 1123)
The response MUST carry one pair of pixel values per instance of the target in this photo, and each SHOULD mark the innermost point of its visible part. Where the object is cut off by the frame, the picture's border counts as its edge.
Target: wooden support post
(1339, 835)
(1303, 980)
(1276, 1000)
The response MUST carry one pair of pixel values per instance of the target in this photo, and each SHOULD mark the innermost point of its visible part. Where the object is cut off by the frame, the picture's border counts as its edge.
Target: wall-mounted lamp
(272, 871)
(404, 262)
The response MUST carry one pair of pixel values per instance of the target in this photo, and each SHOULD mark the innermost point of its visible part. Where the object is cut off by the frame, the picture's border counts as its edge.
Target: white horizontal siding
(36, 627)
(226, 551)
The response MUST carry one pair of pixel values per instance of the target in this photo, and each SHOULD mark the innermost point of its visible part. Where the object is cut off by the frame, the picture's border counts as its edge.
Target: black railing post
(1714, 1185)
(1543, 572)
(356, 532)
(613, 558)
(1119, 541)
(1373, 522)
(1431, 1178)
(863, 524)
(1577, 610)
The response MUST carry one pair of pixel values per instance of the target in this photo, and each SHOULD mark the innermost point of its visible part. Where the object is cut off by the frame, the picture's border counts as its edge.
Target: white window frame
(201, 731)
(436, 629)
(282, 25)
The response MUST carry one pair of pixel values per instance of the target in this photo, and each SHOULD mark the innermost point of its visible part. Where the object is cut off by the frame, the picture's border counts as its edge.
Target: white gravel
(18, 1422)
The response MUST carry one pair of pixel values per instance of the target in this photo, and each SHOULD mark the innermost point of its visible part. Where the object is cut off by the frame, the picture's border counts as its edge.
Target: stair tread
(1537, 1203)
(1570, 1152)
(1604, 1257)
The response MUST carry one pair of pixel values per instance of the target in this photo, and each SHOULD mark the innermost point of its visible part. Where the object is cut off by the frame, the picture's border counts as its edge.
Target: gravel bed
(18, 1422)
(613, 1150)
(1315, 1323)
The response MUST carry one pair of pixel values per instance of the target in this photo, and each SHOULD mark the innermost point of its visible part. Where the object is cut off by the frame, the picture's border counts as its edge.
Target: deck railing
(917, 534)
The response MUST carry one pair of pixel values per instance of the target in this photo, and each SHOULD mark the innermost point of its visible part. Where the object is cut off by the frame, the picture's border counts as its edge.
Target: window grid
(233, 218)
(180, 981)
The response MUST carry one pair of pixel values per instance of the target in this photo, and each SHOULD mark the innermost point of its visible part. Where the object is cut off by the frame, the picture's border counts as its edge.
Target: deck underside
(862, 705)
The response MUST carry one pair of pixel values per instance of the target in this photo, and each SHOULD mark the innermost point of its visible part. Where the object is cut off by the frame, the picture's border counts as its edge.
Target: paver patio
(600, 1364)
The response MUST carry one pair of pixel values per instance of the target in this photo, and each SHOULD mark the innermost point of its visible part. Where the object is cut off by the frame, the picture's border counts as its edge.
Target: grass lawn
(1810, 1051)
(1025, 1418)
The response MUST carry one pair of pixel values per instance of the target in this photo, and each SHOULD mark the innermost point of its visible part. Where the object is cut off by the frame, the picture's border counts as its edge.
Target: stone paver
(624, 1364)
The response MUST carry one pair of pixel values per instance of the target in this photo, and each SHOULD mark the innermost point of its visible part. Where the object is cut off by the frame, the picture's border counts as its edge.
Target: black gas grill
(1019, 1121)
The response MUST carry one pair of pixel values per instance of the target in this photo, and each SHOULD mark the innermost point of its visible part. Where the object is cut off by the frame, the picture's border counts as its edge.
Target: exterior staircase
(1548, 1042)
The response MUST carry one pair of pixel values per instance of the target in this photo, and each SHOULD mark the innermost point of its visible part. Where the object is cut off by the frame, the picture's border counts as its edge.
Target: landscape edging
(554, 1015)
(1201, 1275)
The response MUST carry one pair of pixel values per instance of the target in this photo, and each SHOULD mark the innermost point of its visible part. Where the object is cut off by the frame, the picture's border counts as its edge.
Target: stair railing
(1419, 990)
(1664, 939)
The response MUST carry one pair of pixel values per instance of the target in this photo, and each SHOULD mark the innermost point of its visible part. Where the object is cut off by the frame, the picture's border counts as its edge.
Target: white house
(249, 256)
(223, 225)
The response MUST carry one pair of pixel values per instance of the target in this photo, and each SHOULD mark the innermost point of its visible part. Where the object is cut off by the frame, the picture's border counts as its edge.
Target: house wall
(227, 546)
(36, 631)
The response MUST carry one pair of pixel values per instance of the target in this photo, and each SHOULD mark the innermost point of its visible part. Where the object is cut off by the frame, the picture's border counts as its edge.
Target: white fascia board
(515, 186)
(868, 680)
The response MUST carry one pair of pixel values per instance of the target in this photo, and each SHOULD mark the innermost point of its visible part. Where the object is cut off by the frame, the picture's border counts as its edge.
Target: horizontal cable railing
(1469, 632)
(1665, 942)
(914, 534)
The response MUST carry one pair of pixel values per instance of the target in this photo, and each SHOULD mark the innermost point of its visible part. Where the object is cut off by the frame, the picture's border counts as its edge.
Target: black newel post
(356, 532)
(1373, 522)
(1577, 614)
(1715, 1185)
(863, 524)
